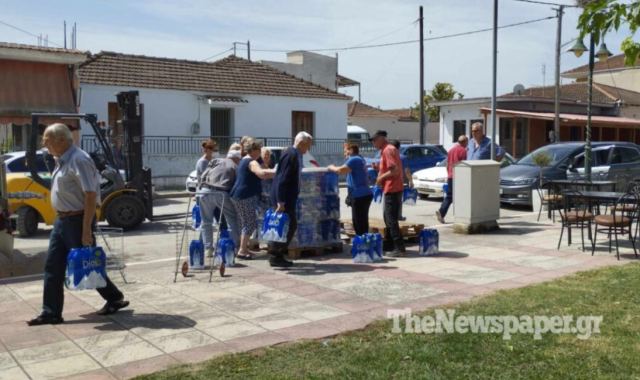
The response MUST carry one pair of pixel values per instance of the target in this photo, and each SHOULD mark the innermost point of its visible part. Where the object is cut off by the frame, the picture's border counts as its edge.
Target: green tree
(601, 16)
(441, 91)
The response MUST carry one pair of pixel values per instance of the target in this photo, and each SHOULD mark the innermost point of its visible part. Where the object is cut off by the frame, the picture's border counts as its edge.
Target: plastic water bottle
(196, 217)
(196, 254)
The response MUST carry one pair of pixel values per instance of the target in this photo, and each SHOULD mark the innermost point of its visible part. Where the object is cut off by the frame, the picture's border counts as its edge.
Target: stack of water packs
(318, 209)
(225, 250)
(86, 268)
(366, 248)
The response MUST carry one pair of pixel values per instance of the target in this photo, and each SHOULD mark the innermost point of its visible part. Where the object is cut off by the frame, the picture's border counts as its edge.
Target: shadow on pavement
(130, 319)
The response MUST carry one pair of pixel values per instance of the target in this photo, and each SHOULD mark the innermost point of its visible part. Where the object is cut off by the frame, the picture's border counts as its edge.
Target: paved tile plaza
(192, 320)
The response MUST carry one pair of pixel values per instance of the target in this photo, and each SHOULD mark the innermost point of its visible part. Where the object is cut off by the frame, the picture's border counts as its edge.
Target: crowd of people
(230, 190)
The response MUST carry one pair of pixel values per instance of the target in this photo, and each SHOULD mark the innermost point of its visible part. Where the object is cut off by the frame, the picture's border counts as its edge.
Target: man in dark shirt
(284, 193)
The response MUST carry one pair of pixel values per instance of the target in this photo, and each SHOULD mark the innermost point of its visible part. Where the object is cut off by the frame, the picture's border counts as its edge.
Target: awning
(568, 117)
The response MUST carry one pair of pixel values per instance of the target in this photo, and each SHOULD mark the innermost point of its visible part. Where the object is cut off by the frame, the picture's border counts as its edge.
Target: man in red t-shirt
(390, 179)
(455, 155)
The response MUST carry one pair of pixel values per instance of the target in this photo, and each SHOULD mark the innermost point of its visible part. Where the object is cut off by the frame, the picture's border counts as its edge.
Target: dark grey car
(519, 180)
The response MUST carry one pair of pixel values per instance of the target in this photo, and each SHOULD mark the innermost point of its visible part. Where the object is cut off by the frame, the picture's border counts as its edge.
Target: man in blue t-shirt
(359, 194)
(479, 147)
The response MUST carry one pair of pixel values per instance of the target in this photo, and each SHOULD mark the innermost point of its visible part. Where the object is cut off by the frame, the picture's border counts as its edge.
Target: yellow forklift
(126, 202)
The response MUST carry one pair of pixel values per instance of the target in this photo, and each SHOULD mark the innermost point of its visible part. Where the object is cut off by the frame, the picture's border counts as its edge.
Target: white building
(230, 97)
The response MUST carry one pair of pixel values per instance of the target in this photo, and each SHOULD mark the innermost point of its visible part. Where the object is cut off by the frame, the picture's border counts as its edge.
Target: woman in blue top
(246, 192)
(358, 189)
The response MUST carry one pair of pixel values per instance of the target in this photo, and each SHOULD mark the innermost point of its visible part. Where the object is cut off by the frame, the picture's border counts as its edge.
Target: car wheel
(125, 211)
(27, 223)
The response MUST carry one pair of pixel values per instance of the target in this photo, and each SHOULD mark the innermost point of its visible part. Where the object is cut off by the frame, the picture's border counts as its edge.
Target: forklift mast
(138, 176)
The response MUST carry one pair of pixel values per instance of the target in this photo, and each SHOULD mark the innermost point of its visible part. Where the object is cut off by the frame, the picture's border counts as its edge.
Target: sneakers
(440, 217)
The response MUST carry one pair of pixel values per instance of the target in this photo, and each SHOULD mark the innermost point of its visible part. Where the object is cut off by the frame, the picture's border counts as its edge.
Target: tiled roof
(9, 45)
(357, 109)
(403, 114)
(231, 75)
(613, 63)
(578, 92)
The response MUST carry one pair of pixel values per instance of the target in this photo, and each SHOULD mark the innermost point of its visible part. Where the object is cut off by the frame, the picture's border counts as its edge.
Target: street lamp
(602, 54)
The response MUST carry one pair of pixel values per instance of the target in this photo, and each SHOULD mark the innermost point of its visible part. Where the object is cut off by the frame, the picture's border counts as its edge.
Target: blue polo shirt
(483, 151)
(357, 180)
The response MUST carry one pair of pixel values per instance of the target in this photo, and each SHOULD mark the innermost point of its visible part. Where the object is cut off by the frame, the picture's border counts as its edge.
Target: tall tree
(601, 16)
(441, 91)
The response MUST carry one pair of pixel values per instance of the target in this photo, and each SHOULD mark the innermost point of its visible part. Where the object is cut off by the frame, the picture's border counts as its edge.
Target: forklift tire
(125, 211)
(27, 223)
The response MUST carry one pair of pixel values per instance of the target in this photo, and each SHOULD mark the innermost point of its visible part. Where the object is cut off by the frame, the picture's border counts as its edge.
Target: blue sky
(196, 29)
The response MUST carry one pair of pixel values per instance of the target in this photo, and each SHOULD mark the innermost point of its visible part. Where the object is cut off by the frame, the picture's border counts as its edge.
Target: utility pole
(248, 50)
(556, 119)
(495, 73)
(65, 34)
(421, 99)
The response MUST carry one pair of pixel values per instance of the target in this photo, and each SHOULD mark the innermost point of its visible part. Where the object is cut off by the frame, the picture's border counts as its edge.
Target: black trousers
(448, 199)
(360, 214)
(66, 234)
(280, 249)
(393, 237)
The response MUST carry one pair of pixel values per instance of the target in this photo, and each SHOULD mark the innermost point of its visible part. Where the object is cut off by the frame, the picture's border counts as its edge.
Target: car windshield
(442, 163)
(557, 153)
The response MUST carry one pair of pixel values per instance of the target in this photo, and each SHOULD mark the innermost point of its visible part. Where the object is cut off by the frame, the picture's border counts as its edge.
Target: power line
(387, 34)
(215, 55)
(26, 32)
(409, 41)
(547, 3)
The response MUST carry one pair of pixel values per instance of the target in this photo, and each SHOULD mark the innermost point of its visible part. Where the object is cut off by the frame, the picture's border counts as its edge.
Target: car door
(624, 165)
(600, 163)
(432, 157)
(414, 155)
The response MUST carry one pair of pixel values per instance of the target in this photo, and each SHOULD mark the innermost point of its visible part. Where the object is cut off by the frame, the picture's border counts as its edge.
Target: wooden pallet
(409, 231)
(298, 252)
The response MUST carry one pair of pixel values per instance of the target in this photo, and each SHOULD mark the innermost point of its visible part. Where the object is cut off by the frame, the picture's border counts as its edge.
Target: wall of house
(628, 79)
(632, 112)
(172, 113)
(316, 68)
(373, 124)
(448, 114)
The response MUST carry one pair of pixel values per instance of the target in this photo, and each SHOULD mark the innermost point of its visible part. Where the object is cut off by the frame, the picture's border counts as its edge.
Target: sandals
(245, 255)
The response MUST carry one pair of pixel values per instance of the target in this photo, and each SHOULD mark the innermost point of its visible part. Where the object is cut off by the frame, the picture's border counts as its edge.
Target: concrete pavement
(254, 306)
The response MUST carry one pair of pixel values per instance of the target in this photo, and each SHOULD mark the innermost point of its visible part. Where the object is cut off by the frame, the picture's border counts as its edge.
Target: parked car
(16, 162)
(429, 182)
(518, 181)
(308, 161)
(418, 156)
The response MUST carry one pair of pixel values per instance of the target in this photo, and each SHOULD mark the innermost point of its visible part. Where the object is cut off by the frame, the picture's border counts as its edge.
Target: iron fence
(186, 146)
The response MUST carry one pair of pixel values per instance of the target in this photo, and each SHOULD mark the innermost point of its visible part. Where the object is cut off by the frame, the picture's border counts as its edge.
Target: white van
(357, 134)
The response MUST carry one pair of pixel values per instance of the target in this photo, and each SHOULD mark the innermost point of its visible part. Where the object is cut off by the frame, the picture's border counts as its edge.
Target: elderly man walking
(456, 154)
(75, 192)
(390, 174)
(480, 145)
(285, 191)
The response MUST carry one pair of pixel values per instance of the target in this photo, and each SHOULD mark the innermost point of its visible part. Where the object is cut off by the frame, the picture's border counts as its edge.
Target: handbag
(349, 199)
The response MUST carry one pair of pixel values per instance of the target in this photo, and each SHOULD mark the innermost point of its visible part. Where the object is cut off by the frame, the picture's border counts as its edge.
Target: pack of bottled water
(409, 196)
(377, 193)
(429, 242)
(275, 226)
(225, 250)
(196, 217)
(86, 269)
(196, 254)
(367, 248)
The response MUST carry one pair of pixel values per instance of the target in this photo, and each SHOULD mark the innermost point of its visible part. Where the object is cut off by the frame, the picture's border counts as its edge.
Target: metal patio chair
(618, 222)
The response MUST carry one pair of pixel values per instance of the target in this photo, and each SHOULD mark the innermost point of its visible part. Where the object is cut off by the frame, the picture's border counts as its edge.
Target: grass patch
(376, 353)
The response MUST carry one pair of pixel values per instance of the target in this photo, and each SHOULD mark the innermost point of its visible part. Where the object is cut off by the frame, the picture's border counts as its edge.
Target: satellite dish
(518, 89)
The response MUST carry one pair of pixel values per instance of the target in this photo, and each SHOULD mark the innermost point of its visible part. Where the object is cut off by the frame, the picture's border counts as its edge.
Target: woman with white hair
(246, 192)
